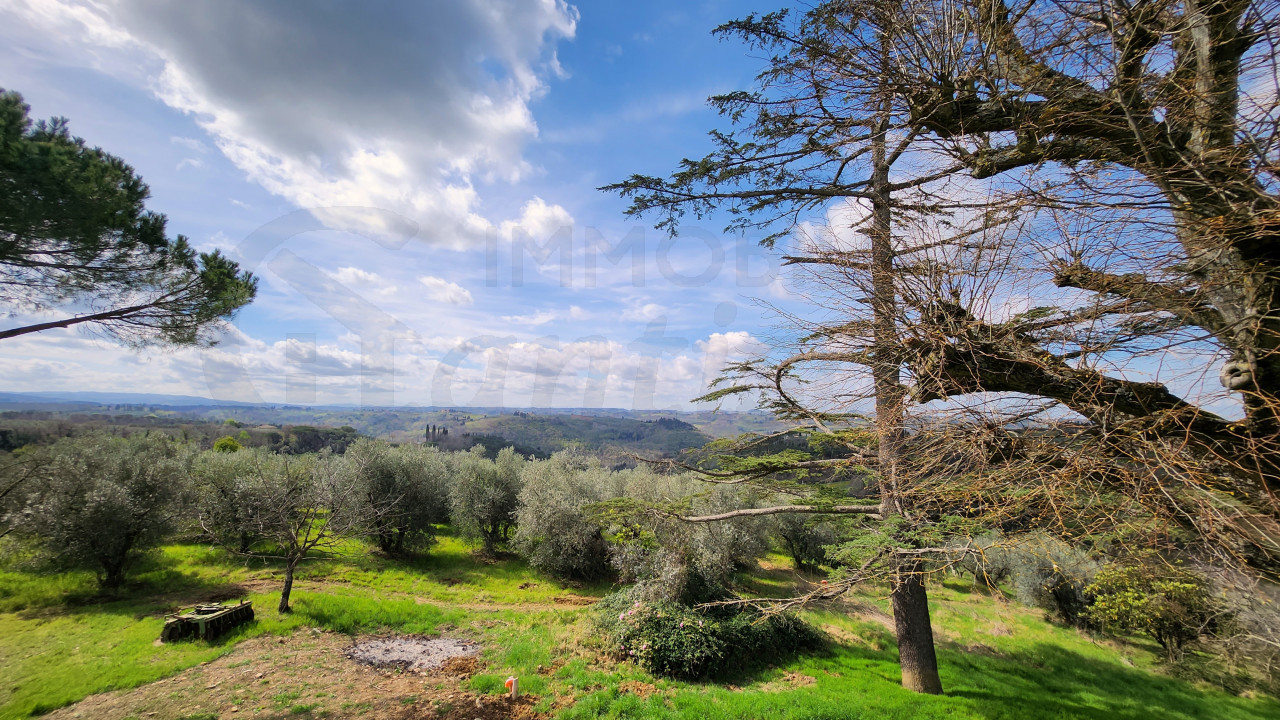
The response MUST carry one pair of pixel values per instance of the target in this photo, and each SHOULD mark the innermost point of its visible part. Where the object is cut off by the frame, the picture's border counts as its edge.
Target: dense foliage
(406, 488)
(670, 559)
(676, 640)
(555, 530)
(74, 232)
(101, 501)
(1173, 605)
(805, 539)
(485, 495)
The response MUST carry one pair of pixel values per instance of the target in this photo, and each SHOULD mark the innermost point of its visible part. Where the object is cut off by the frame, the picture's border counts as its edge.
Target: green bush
(406, 489)
(226, 444)
(1173, 605)
(485, 495)
(675, 640)
(1042, 570)
(227, 488)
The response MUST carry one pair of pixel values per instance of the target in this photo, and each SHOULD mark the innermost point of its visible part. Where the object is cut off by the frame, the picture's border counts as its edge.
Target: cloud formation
(399, 106)
(442, 290)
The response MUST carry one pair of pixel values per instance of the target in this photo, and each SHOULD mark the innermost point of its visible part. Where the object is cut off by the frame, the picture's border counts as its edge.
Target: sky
(414, 184)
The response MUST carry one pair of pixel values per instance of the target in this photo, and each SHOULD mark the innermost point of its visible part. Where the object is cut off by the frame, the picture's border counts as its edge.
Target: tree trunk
(915, 633)
(288, 588)
(112, 575)
(114, 563)
(908, 595)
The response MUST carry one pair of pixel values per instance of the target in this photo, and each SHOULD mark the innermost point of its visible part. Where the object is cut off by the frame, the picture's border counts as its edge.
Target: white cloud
(217, 241)
(190, 143)
(737, 343)
(356, 276)
(542, 317)
(364, 279)
(399, 109)
(587, 372)
(538, 221)
(190, 162)
(444, 291)
(643, 313)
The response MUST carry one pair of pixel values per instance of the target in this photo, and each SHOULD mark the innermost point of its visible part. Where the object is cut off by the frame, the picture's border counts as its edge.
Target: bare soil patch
(640, 689)
(789, 681)
(303, 676)
(409, 652)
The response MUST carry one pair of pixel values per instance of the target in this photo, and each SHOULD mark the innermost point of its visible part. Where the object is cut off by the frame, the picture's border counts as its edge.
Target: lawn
(60, 643)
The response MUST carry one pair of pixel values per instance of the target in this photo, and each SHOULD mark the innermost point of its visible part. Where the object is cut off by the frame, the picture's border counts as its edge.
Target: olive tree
(294, 504)
(16, 470)
(485, 495)
(556, 531)
(670, 558)
(226, 485)
(406, 488)
(101, 501)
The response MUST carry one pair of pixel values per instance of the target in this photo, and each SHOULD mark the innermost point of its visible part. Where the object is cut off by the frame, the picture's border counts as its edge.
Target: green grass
(1036, 671)
(449, 572)
(59, 643)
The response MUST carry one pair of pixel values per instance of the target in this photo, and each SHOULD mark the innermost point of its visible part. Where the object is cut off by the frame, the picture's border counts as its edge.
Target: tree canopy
(1083, 201)
(75, 237)
(1027, 229)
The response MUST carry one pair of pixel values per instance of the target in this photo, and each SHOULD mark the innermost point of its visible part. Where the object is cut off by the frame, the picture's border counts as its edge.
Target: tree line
(102, 502)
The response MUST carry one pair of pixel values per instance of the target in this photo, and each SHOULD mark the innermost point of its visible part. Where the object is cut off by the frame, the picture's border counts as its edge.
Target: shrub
(1053, 575)
(554, 530)
(226, 444)
(1173, 605)
(105, 500)
(226, 494)
(676, 640)
(1043, 572)
(485, 495)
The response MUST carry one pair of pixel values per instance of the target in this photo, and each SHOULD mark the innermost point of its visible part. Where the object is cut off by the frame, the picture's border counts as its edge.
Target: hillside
(537, 432)
(546, 434)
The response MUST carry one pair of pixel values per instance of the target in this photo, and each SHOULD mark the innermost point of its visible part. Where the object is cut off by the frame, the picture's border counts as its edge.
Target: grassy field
(60, 644)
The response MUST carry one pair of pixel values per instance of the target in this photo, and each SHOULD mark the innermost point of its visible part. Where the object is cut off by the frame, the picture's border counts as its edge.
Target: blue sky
(414, 183)
(415, 186)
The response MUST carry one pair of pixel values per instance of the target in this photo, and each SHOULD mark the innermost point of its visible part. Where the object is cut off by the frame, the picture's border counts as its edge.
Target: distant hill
(546, 434)
(614, 432)
(114, 398)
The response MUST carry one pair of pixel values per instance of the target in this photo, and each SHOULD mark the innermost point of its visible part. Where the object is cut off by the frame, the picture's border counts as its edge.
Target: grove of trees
(677, 547)
(1042, 333)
